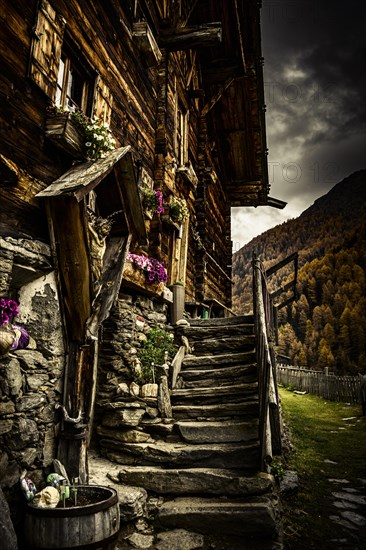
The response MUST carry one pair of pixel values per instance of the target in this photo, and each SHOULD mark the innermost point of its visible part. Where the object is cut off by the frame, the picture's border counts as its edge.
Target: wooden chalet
(179, 83)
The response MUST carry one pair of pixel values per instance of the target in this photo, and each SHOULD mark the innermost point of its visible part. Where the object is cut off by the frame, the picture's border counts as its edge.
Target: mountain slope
(315, 231)
(326, 327)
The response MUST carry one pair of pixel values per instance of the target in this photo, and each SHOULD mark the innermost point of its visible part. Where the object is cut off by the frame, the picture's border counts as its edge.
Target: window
(182, 136)
(74, 83)
(58, 67)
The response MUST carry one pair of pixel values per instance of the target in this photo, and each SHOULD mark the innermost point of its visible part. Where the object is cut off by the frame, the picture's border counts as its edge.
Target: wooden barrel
(86, 526)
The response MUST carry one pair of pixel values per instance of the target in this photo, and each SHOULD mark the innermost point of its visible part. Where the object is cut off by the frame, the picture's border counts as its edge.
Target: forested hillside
(326, 326)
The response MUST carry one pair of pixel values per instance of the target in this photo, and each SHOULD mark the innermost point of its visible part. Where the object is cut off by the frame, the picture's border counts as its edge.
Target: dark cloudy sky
(314, 73)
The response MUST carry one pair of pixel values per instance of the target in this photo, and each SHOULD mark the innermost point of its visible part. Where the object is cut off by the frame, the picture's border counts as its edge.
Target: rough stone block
(10, 376)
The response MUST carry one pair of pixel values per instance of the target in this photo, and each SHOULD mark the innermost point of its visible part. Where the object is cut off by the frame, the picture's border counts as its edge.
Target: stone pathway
(138, 513)
(349, 503)
(349, 513)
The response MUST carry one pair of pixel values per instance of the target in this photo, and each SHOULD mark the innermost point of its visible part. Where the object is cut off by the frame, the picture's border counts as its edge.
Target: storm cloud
(315, 92)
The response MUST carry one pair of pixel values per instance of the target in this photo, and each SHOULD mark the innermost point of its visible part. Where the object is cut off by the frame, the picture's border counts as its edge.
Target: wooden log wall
(104, 38)
(346, 389)
(143, 116)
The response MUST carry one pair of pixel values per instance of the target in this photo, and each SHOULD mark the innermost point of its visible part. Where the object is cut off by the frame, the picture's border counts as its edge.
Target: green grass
(314, 425)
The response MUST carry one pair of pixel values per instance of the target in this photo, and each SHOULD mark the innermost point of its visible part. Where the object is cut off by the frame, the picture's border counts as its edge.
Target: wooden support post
(187, 38)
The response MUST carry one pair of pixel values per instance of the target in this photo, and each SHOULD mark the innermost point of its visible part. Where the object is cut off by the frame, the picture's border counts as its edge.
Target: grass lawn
(318, 436)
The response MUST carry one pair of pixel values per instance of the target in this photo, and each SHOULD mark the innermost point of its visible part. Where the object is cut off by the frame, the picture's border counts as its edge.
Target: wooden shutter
(46, 48)
(102, 103)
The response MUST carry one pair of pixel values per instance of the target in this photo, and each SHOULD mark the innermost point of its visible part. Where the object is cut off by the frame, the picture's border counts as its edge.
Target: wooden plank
(113, 263)
(103, 100)
(132, 201)
(71, 247)
(218, 95)
(46, 48)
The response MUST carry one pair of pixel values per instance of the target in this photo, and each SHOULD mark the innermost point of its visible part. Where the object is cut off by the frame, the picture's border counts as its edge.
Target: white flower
(88, 144)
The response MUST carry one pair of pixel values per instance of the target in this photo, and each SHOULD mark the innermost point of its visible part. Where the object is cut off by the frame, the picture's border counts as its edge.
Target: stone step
(222, 321)
(215, 394)
(216, 377)
(204, 481)
(225, 344)
(246, 408)
(217, 432)
(203, 332)
(219, 360)
(256, 516)
(244, 456)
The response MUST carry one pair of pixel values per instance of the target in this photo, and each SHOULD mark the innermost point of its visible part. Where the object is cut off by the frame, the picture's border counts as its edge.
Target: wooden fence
(346, 389)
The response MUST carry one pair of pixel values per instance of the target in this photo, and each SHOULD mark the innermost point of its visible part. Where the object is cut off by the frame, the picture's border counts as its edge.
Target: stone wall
(30, 379)
(123, 412)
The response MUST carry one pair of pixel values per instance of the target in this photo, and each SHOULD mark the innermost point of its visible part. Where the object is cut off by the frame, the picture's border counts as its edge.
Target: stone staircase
(205, 461)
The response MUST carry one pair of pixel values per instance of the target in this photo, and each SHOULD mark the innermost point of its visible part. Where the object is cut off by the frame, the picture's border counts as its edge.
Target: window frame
(70, 62)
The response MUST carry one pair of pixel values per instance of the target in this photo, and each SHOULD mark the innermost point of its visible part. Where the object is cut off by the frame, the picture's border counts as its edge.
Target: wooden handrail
(269, 430)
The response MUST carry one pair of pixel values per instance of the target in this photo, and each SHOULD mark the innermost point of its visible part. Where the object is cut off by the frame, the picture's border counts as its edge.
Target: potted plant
(178, 210)
(77, 134)
(152, 200)
(153, 355)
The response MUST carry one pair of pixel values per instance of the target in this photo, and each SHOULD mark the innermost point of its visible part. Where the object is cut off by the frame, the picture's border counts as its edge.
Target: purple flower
(21, 340)
(154, 270)
(12, 306)
(8, 308)
(4, 318)
(159, 201)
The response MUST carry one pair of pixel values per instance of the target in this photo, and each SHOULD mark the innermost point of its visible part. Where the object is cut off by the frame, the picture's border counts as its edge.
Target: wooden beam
(146, 43)
(191, 37)
(190, 11)
(292, 258)
(217, 96)
(240, 35)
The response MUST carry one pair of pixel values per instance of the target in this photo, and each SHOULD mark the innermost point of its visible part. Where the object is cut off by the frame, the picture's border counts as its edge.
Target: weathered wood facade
(180, 85)
(180, 82)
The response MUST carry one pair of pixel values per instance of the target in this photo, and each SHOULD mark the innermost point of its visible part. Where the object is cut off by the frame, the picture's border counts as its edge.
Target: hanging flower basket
(152, 200)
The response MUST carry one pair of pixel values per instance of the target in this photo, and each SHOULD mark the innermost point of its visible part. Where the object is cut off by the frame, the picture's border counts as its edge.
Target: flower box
(136, 278)
(64, 132)
(165, 218)
(188, 174)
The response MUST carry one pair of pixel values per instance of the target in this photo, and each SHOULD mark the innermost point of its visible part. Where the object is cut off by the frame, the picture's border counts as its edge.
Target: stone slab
(209, 361)
(218, 432)
(179, 539)
(224, 455)
(213, 516)
(213, 481)
(241, 408)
